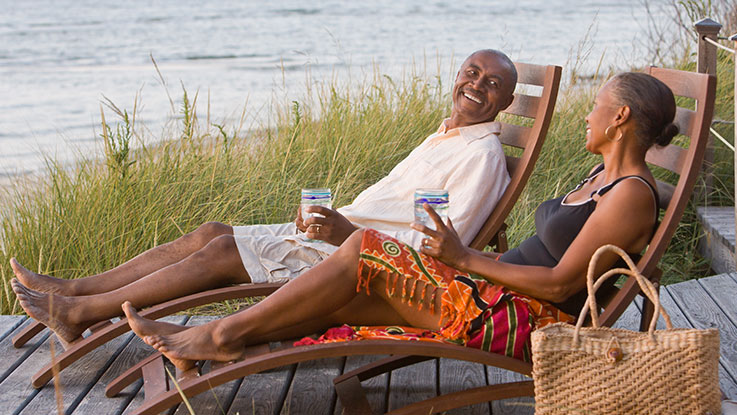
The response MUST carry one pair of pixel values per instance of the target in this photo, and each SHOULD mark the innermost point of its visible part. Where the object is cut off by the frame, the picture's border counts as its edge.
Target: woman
(454, 293)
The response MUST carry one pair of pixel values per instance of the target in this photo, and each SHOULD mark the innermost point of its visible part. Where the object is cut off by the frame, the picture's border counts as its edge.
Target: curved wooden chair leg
(467, 397)
(353, 396)
(129, 376)
(28, 332)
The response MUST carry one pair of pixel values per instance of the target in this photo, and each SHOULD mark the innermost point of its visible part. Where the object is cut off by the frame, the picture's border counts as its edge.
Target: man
(464, 157)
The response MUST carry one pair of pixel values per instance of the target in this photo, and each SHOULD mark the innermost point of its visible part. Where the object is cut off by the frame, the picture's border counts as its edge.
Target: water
(59, 58)
(315, 197)
(437, 199)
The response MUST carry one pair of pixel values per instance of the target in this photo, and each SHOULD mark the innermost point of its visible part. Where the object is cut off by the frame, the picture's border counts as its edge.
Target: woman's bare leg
(215, 265)
(142, 265)
(319, 297)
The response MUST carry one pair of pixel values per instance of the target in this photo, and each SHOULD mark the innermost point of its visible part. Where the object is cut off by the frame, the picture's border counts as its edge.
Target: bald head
(484, 86)
(501, 57)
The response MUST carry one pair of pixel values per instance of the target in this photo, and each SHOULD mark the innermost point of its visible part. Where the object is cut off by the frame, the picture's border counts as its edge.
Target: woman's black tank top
(557, 224)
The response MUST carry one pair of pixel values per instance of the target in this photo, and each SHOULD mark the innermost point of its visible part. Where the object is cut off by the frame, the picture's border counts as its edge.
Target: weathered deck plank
(13, 357)
(376, 387)
(521, 406)
(718, 242)
(708, 315)
(413, 383)
(263, 393)
(679, 319)
(16, 390)
(8, 324)
(218, 399)
(135, 350)
(455, 375)
(702, 303)
(312, 389)
(78, 379)
(136, 390)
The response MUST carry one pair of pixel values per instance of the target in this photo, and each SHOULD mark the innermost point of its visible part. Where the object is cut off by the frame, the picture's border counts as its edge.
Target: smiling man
(464, 157)
(484, 86)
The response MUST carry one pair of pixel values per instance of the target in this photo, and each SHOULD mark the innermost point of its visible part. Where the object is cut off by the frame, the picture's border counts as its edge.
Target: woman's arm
(623, 217)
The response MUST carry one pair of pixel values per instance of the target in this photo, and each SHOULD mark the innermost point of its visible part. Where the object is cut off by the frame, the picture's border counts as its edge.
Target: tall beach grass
(73, 222)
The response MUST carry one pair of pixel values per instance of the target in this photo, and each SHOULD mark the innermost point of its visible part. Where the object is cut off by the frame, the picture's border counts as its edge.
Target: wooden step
(718, 242)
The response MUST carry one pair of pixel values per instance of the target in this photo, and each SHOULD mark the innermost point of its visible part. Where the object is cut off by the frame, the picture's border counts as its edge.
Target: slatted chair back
(531, 112)
(682, 159)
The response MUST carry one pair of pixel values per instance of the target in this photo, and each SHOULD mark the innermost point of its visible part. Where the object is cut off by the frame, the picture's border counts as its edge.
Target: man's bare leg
(142, 265)
(320, 296)
(215, 265)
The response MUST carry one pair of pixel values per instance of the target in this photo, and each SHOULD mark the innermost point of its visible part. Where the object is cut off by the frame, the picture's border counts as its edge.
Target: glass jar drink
(315, 197)
(437, 199)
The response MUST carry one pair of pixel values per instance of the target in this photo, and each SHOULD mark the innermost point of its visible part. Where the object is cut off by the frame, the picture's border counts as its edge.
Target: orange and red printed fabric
(476, 313)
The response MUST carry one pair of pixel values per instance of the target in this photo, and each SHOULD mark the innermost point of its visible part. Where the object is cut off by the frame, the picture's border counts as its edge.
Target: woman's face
(602, 115)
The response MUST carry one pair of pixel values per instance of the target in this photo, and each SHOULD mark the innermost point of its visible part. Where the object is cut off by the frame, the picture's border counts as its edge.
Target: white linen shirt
(468, 162)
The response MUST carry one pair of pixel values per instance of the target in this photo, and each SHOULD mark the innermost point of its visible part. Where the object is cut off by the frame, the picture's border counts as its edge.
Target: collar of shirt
(469, 133)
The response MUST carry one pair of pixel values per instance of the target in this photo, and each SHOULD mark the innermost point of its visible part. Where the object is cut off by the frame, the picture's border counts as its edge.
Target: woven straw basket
(600, 370)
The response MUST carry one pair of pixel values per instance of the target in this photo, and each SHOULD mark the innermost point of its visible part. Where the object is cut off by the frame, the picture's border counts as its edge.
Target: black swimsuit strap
(598, 169)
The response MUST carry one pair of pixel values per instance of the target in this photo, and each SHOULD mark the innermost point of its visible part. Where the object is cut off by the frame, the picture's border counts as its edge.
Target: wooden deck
(717, 243)
(307, 388)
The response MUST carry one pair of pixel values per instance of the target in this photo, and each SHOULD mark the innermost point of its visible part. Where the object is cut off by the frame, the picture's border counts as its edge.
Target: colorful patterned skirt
(475, 312)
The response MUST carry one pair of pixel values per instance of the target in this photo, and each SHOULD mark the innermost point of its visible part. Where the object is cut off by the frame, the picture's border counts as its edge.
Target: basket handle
(646, 286)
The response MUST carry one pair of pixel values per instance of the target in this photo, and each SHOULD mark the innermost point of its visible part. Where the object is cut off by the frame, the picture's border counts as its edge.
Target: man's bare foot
(49, 309)
(185, 346)
(39, 282)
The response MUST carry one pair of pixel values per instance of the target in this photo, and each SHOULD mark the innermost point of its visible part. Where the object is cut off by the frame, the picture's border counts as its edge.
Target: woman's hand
(442, 243)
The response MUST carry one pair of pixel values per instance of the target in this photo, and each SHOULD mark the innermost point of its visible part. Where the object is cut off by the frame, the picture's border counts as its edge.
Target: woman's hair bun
(670, 131)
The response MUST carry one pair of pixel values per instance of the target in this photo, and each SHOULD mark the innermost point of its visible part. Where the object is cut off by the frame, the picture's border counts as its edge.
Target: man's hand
(334, 228)
(442, 243)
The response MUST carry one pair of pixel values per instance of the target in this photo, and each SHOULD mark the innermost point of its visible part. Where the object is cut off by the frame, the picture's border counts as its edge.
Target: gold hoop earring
(615, 139)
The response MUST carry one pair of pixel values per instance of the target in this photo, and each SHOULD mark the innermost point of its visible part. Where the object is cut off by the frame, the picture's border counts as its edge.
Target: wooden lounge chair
(684, 161)
(531, 111)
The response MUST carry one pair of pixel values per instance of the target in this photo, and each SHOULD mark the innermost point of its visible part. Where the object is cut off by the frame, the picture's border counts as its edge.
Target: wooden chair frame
(686, 162)
(529, 139)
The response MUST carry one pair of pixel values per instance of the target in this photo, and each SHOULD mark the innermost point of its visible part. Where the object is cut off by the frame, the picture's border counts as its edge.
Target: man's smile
(472, 97)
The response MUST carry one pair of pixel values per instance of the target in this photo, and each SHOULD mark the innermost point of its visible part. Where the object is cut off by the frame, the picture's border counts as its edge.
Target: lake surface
(59, 58)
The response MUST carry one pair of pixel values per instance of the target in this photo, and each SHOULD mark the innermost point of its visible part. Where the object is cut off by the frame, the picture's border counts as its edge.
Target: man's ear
(508, 103)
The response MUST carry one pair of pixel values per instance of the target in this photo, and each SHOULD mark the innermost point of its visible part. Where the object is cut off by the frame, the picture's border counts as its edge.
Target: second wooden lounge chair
(684, 161)
(524, 128)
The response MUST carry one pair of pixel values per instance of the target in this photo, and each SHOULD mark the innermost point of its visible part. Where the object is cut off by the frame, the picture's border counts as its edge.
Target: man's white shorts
(277, 253)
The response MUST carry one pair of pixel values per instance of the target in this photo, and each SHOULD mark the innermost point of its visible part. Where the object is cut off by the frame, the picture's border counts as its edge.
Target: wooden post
(707, 58)
(733, 38)
(706, 63)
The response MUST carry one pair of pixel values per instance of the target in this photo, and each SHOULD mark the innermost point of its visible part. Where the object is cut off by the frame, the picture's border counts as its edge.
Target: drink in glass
(437, 199)
(315, 197)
